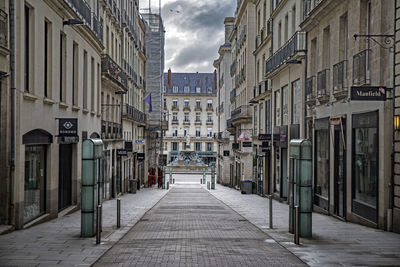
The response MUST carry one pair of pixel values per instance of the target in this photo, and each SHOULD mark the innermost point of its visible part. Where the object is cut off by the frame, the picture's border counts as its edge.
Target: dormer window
(175, 89)
(186, 89)
(198, 90)
(209, 90)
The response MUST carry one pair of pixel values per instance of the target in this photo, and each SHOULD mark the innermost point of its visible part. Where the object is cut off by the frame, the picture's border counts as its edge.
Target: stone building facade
(189, 107)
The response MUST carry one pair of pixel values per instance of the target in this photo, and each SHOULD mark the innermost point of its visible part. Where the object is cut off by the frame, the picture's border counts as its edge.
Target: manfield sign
(368, 93)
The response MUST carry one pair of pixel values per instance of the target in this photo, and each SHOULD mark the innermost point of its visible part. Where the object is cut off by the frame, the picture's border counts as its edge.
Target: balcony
(340, 79)
(197, 122)
(3, 29)
(111, 130)
(186, 108)
(198, 108)
(130, 112)
(309, 5)
(175, 122)
(97, 27)
(82, 9)
(242, 112)
(113, 71)
(175, 108)
(210, 108)
(209, 122)
(295, 45)
(361, 68)
(233, 95)
(323, 86)
(310, 96)
(186, 122)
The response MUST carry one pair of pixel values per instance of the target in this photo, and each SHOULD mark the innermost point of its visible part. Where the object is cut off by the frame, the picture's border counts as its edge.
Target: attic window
(186, 89)
(198, 90)
(175, 89)
(209, 90)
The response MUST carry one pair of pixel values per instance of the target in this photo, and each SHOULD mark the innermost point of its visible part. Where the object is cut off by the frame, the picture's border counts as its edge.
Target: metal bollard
(270, 212)
(101, 218)
(296, 225)
(173, 180)
(98, 226)
(167, 185)
(208, 185)
(201, 181)
(118, 213)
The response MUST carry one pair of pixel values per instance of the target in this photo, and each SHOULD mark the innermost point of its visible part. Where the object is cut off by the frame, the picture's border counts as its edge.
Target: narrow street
(190, 227)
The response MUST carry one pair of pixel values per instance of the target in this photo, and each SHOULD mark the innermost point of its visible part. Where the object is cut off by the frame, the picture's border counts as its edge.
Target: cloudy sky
(194, 31)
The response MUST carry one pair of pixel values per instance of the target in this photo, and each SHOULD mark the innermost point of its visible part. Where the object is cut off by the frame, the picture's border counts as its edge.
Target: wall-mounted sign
(264, 137)
(122, 152)
(247, 144)
(67, 127)
(139, 141)
(68, 139)
(368, 93)
(140, 156)
(226, 153)
(129, 146)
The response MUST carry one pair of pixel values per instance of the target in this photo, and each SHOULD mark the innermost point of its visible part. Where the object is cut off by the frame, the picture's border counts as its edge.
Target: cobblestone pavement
(58, 241)
(334, 242)
(189, 227)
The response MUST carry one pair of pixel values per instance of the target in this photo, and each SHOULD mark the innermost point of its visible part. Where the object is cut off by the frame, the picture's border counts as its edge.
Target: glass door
(340, 172)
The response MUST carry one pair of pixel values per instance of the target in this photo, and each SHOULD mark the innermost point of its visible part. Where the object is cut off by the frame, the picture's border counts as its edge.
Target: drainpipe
(12, 107)
(305, 95)
(391, 184)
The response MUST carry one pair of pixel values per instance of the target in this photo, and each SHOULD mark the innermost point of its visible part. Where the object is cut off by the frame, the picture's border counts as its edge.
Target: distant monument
(187, 160)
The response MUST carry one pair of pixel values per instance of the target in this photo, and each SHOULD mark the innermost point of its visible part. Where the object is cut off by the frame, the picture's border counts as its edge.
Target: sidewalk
(58, 241)
(334, 242)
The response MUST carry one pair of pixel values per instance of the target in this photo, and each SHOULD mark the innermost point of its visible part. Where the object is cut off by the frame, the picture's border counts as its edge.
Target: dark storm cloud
(194, 31)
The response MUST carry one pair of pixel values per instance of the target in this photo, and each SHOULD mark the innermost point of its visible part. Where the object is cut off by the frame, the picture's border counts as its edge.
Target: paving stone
(189, 227)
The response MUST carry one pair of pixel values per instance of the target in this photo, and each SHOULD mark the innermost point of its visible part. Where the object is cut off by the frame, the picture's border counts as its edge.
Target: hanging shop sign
(129, 146)
(247, 144)
(264, 137)
(368, 93)
(67, 127)
(140, 156)
(122, 152)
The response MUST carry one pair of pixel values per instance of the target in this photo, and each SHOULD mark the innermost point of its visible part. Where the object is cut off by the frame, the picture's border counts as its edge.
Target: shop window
(322, 163)
(35, 182)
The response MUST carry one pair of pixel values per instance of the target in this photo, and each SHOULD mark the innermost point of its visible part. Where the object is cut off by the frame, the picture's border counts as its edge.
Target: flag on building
(148, 101)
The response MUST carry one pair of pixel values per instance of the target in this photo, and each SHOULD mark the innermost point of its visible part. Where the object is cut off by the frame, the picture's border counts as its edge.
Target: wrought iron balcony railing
(241, 112)
(295, 44)
(134, 114)
(111, 130)
(361, 68)
(3, 28)
(340, 76)
(110, 68)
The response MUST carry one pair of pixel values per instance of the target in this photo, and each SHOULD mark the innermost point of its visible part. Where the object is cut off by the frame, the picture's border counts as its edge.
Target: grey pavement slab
(190, 227)
(58, 242)
(334, 242)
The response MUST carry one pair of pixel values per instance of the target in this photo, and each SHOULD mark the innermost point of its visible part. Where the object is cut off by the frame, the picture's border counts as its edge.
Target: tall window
(47, 58)
(261, 120)
(209, 132)
(296, 102)
(197, 146)
(209, 117)
(92, 88)
(174, 131)
(267, 116)
(85, 79)
(209, 103)
(186, 131)
(277, 101)
(175, 146)
(197, 117)
(28, 47)
(186, 117)
(198, 103)
(174, 116)
(255, 121)
(75, 73)
(62, 66)
(285, 106)
(186, 103)
(209, 146)
(175, 103)
(197, 131)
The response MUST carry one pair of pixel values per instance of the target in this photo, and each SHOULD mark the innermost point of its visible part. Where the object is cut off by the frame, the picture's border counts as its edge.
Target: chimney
(215, 80)
(169, 78)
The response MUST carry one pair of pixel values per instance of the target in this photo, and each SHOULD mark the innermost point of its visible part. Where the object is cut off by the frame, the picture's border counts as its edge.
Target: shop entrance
(65, 176)
(284, 173)
(340, 171)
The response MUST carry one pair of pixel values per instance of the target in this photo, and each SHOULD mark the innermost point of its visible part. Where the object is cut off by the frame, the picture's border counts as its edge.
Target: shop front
(36, 144)
(280, 138)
